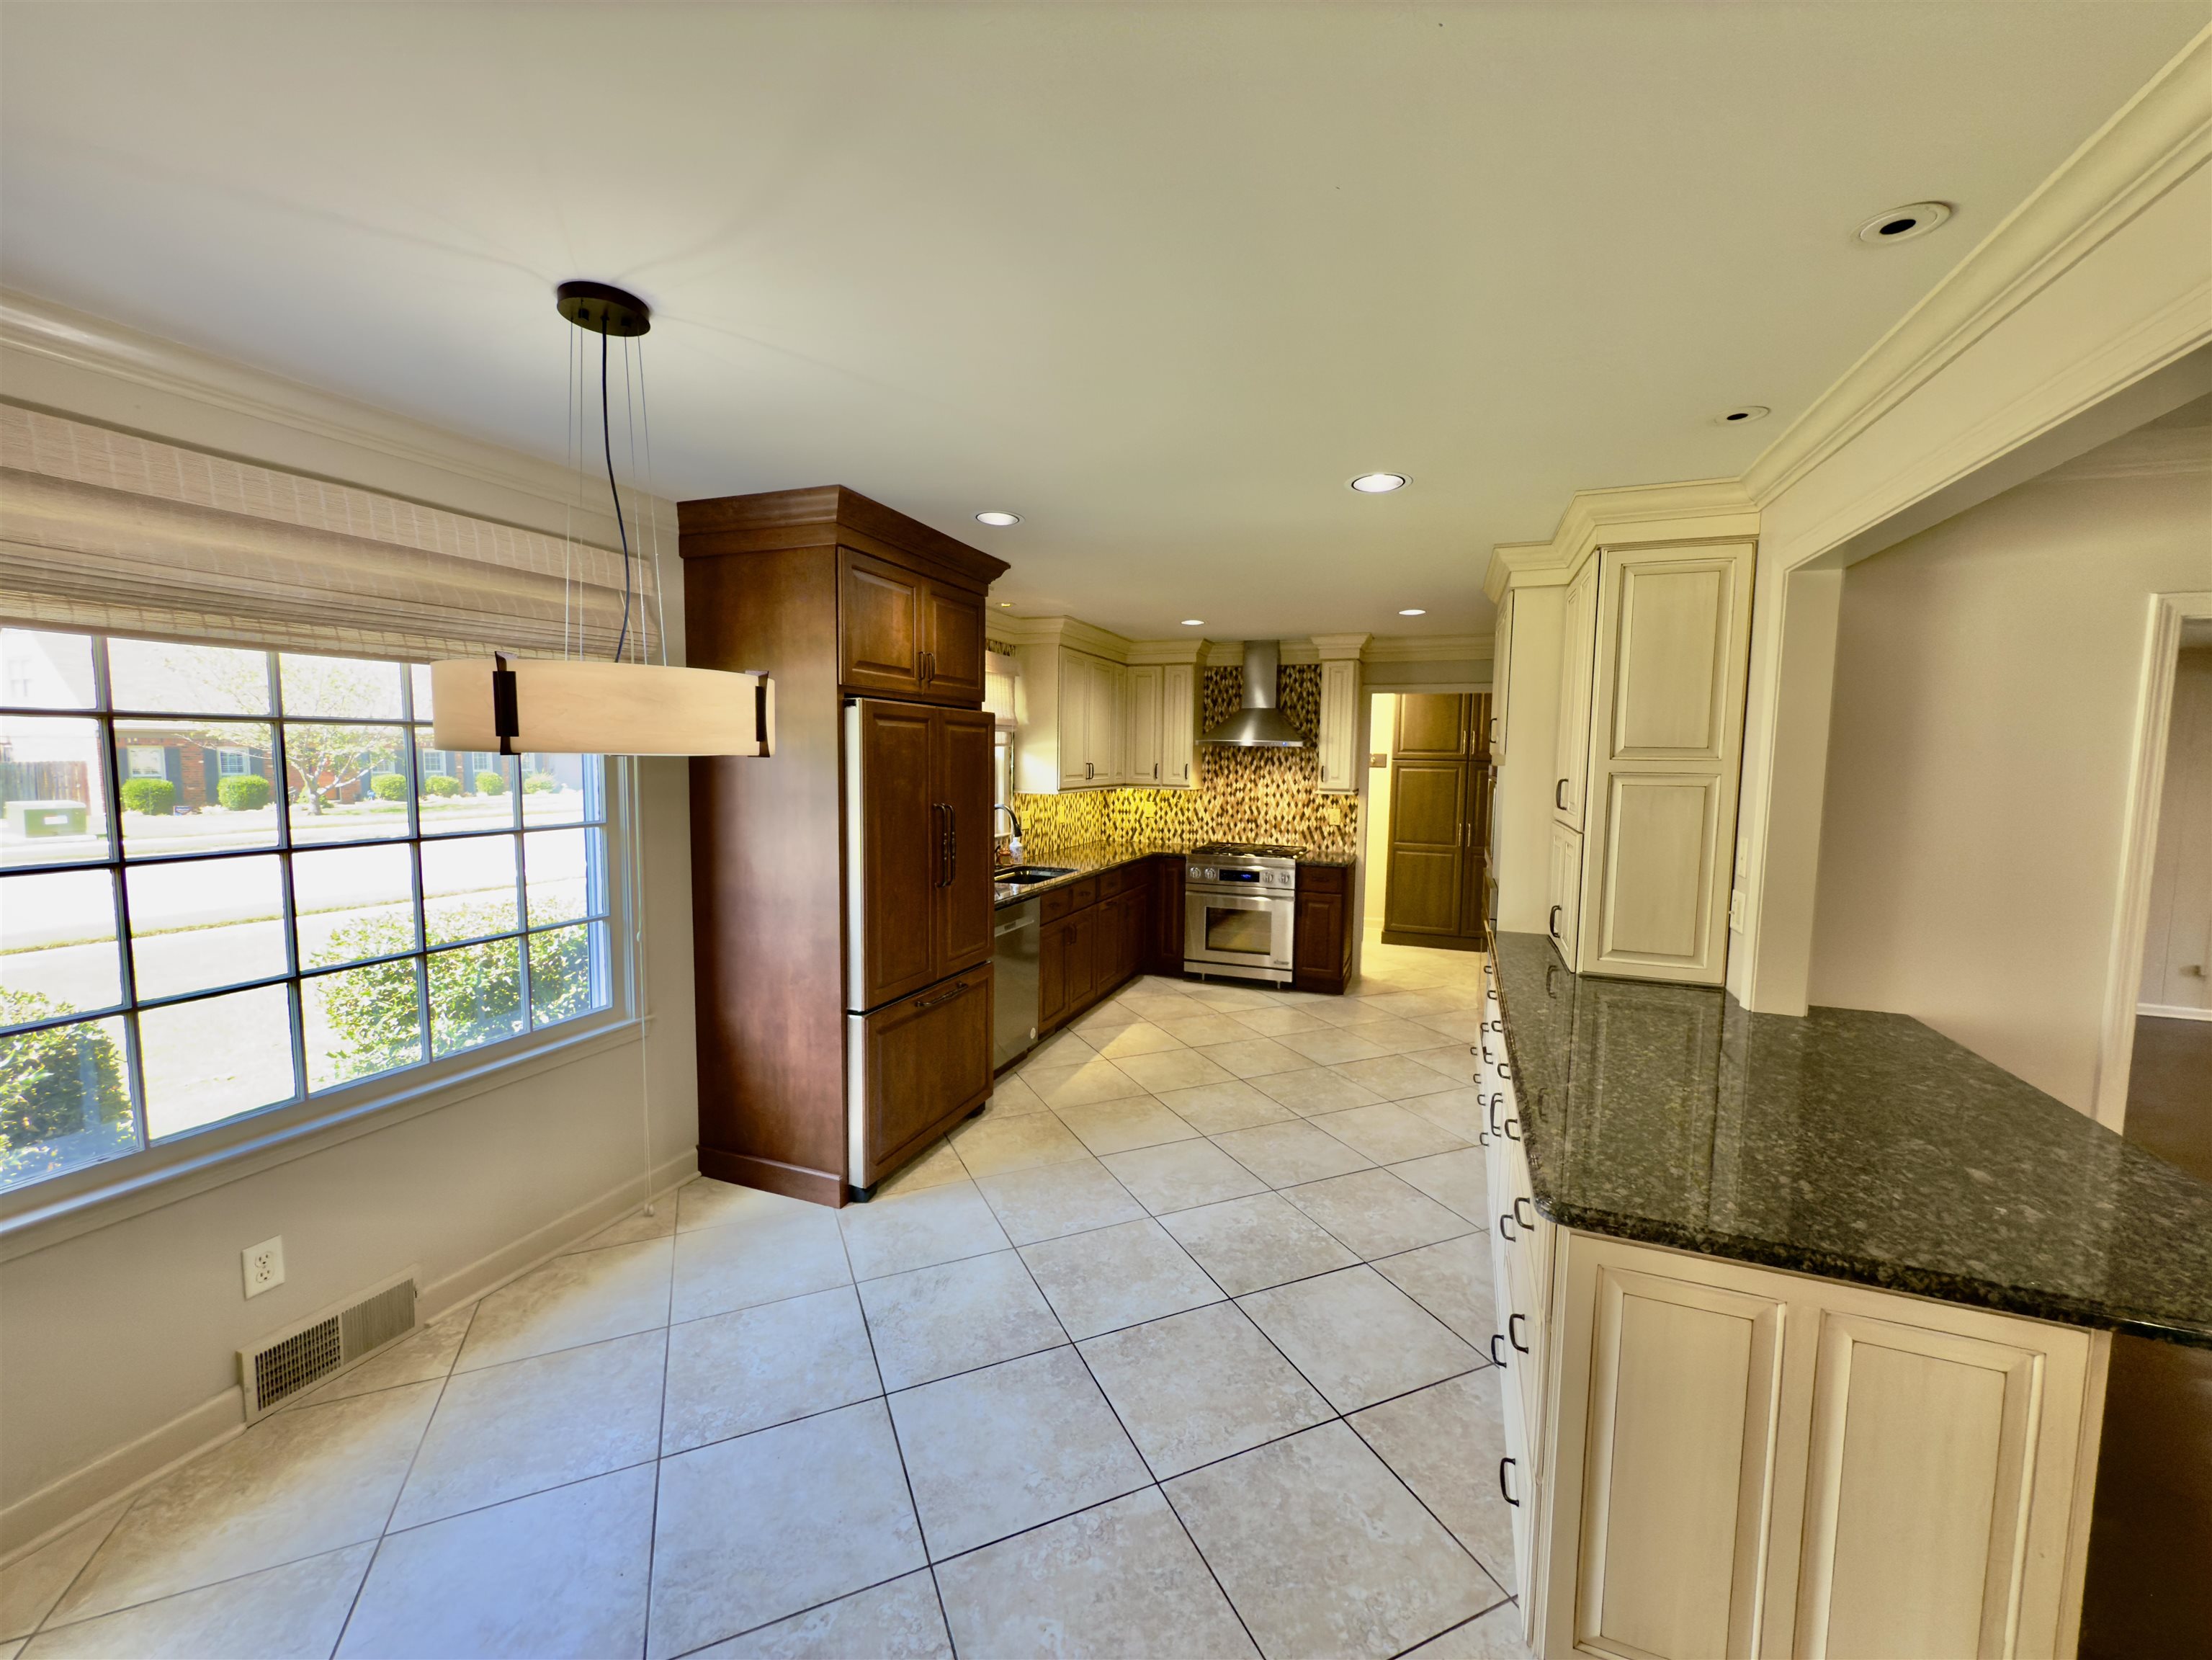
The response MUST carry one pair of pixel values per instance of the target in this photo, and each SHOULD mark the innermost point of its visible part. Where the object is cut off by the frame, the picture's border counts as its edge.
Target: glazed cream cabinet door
(1564, 916)
(1178, 726)
(1143, 752)
(1078, 690)
(1108, 722)
(1501, 688)
(1339, 728)
(1578, 652)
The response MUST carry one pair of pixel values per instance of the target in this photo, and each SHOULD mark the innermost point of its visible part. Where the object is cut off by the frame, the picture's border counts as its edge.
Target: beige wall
(2178, 930)
(1988, 673)
(117, 1344)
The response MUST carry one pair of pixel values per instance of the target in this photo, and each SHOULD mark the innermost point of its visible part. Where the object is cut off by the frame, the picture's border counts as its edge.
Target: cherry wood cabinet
(838, 597)
(1167, 931)
(1440, 783)
(1095, 937)
(1320, 958)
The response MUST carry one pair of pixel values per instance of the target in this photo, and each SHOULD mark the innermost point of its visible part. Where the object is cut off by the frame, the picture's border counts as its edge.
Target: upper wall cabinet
(1339, 744)
(1650, 742)
(1090, 722)
(1501, 677)
(901, 635)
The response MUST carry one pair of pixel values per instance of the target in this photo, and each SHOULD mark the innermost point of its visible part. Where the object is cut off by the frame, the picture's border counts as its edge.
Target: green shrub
(491, 783)
(389, 785)
(541, 783)
(439, 784)
(150, 795)
(56, 1081)
(243, 792)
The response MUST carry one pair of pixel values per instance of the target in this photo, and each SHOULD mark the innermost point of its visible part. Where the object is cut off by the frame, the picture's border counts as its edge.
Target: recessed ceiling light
(1903, 224)
(1194, 622)
(1005, 604)
(1414, 610)
(998, 518)
(1379, 483)
(1737, 418)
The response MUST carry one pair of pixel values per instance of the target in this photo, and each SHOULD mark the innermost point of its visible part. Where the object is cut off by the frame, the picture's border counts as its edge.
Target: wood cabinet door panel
(899, 827)
(961, 765)
(1660, 861)
(1082, 955)
(879, 624)
(1319, 938)
(1578, 657)
(1143, 750)
(927, 1060)
(1077, 688)
(1178, 729)
(1431, 726)
(952, 634)
(1053, 946)
(1672, 636)
(1168, 916)
(1424, 893)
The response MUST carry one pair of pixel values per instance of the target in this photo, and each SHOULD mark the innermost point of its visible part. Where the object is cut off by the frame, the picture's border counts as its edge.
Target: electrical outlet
(264, 1266)
(1736, 911)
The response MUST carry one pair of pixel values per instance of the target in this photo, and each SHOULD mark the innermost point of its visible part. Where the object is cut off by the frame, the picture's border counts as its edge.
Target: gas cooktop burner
(1244, 850)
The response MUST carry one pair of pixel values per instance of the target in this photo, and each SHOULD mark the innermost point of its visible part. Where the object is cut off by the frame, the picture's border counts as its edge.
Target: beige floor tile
(1162, 1008)
(1120, 1580)
(734, 1373)
(1452, 1060)
(1181, 1174)
(956, 1316)
(1283, 1155)
(1323, 1552)
(825, 1513)
(1314, 1090)
(1118, 1125)
(1394, 1077)
(1230, 999)
(706, 1203)
(1493, 1636)
(1212, 1109)
(1454, 1179)
(1457, 1111)
(428, 1354)
(32, 1585)
(1203, 1025)
(898, 1622)
(1462, 1026)
(557, 1573)
(1348, 1012)
(1141, 1039)
(891, 1234)
(1275, 1021)
(1408, 1003)
(1446, 1441)
(572, 1300)
(1375, 1214)
(1248, 1244)
(1012, 1096)
(1357, 1337)
(1096, 1079)
(1064, 1048)
(1049, 1201)
(508, 1430)
(992, 1146)
(933, 1169)
(1331, 1044)
(1201, 1385)
(992, 1452)
(1254, 1057)
(1172, 1069)
(1451, 1281)
(297, 1484)
(638, 1226)
(298, 1608)
(1387, 1132)
(1401, 1038)
(1118, 1276)
(1107, 1018)
(739, 1266)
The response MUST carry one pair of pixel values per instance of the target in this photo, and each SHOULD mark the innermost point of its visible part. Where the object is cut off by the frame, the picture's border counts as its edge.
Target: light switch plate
(264, 1266)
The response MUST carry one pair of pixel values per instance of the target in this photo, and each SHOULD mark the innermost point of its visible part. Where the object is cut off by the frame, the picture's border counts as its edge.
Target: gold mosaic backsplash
(1241, 795)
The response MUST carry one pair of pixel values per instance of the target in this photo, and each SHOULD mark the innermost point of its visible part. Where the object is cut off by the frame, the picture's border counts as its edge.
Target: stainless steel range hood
(1259, 723)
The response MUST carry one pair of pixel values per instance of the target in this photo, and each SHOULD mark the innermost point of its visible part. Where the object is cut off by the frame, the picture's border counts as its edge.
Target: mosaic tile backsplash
(1241, 795)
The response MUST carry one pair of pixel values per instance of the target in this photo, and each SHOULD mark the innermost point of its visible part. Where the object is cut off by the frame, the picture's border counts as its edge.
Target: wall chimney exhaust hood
(1259, 723)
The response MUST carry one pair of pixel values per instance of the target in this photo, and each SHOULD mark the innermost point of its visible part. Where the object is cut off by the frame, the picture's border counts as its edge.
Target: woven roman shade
(105, 531)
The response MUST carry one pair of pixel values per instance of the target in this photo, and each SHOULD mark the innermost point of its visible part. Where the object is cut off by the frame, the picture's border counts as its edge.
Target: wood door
(1318, 955)
(1055, 949)
(1074, 719)
(1082, 955)
(1178, 737)
(901, 849)
(1167, 916)
(1474, 883)
(1144, 726)
(952, 638)
(1428, 808)
(962, 768)
(1431, 726)
(879, 625)
(1108, 697)
(927, 1063)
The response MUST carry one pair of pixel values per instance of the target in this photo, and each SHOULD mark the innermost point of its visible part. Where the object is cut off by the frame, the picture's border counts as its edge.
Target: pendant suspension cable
(652, 510)
(607, 439)
(629, 423)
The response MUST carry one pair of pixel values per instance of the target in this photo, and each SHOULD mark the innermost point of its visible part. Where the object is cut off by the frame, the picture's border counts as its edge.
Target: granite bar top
(1848, 1144)
(1088, 858)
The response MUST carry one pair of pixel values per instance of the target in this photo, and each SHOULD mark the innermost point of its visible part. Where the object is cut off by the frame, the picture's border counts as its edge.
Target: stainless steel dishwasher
(1014, 954)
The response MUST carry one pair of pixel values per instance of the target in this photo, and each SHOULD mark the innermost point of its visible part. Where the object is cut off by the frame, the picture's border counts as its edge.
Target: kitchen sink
(1018, 875)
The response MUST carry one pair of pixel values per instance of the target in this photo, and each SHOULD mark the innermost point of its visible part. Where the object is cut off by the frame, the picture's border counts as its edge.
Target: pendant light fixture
(625, 706)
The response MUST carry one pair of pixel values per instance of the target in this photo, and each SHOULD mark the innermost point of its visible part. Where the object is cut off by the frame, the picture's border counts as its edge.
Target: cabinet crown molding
(1071, 631)
(817, 515)
(1695, 510)
(1427, 648)
(1337, 648)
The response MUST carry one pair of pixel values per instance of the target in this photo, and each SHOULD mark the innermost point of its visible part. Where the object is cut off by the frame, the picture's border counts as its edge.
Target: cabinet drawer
(1320, 879)
(1085, 892)
(1109, 882)
(1056, 904)
(916, 1066)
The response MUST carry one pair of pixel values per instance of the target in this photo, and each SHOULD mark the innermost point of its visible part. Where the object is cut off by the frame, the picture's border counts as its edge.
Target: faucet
(1014, 843)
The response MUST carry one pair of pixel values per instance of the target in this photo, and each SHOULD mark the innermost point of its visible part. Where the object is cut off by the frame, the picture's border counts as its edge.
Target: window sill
(62, 1208)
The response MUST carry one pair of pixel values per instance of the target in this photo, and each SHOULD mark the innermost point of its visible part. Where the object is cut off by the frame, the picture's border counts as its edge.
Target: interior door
(1428, 808)
(898, 859)
(952, 635)
(879, 625)
(960, 768)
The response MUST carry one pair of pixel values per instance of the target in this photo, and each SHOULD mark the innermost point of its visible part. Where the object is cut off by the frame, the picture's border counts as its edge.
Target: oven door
(1248, 932)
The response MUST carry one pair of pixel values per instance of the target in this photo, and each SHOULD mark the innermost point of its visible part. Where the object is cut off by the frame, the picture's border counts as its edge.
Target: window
(329, 899)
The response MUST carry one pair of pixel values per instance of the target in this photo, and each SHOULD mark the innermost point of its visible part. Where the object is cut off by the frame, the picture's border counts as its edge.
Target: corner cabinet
(1092, 722)
(1650, 749)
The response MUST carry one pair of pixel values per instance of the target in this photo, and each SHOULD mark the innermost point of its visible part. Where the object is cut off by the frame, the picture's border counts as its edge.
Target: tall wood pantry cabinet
(841, 888)
(1434, 893)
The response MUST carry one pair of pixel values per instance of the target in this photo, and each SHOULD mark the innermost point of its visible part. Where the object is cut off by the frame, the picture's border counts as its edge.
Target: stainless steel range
(1240, 907)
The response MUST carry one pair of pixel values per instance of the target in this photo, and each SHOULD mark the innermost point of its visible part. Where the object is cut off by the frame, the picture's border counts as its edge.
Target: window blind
(103, 530)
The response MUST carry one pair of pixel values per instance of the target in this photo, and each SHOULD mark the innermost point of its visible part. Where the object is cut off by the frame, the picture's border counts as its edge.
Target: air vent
(323, 1344)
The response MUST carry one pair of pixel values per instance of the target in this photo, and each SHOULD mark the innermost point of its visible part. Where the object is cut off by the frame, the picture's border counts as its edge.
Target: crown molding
(2147, 453)
(1190, 650)
(1694, 510)
(1070, 631)
(1340, 648)
(1427, 649)
(2156, 140)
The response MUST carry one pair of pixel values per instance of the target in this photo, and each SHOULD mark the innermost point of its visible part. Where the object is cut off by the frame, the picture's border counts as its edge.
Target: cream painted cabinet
(1339, 728)
(1078, 689)
(1501, 677)
(1178, 726)
(1571, 784)
(1563, 915)
(1108, 721)
(1141, 756)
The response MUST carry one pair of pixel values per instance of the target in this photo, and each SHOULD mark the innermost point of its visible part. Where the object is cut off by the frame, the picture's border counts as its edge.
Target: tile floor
(1179, 1349)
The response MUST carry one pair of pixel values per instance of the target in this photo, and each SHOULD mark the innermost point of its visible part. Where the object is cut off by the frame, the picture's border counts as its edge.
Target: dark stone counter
(1089, 858)
(1851, 1145)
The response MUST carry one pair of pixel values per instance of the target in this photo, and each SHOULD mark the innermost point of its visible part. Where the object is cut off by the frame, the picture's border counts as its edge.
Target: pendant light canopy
(560, 705)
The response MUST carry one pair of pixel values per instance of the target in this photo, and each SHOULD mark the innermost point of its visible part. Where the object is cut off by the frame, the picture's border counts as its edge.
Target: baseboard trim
(125, 1471)
(2173, 1011)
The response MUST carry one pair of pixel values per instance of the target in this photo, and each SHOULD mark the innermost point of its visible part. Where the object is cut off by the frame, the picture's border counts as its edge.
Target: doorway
(1437, 874)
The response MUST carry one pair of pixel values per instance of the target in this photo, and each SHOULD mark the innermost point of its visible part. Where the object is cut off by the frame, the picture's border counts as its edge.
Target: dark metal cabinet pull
(1505, 1226)
(1505, 1492)
(952, 844)
(1551, 927)
(1529, 1222)
(1560, 795)
(1511, 1133)
(1510, 1337)
(1496, 1359)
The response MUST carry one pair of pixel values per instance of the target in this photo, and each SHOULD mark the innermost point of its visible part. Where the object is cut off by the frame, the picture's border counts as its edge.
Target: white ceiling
(1159, 278)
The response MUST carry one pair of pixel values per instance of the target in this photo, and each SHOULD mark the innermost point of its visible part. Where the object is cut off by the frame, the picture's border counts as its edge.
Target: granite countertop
(1088, 858)
(1852, 1145)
